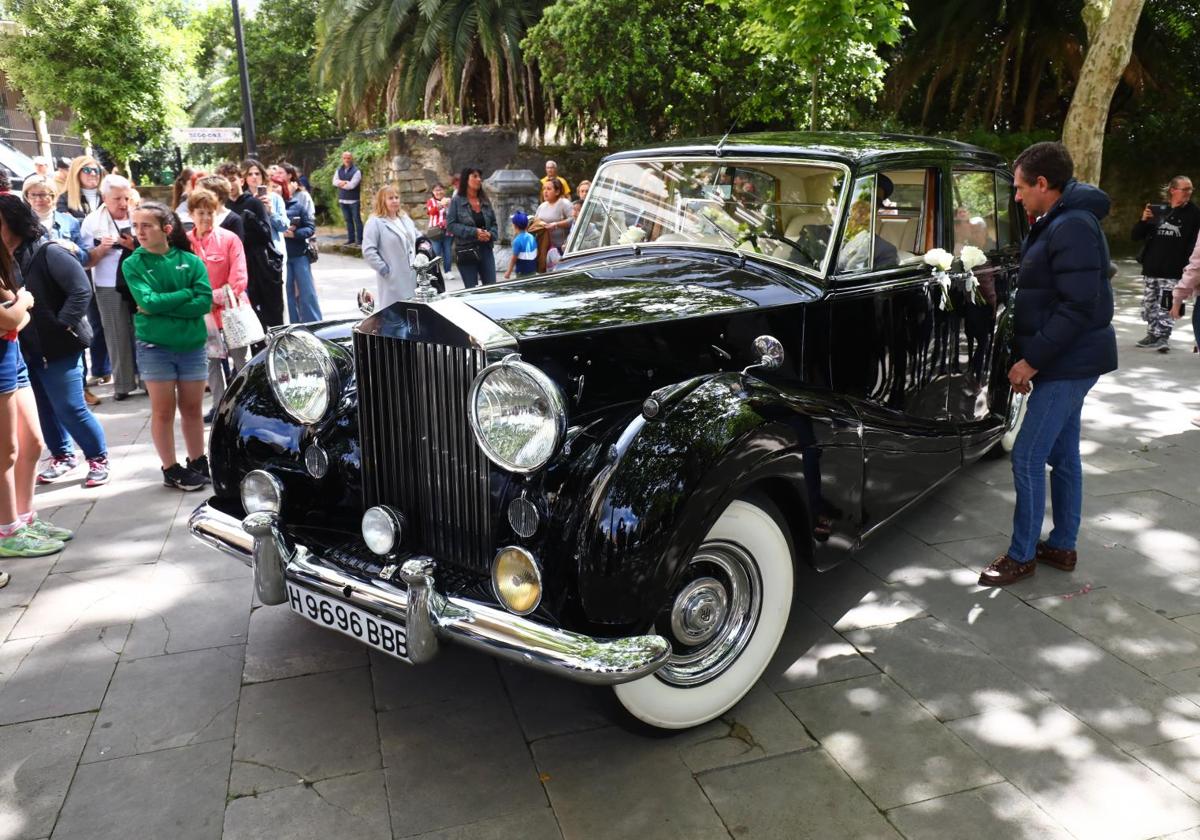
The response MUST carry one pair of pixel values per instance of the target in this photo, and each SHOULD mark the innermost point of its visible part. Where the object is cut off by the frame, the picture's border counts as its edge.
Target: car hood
(630, 291)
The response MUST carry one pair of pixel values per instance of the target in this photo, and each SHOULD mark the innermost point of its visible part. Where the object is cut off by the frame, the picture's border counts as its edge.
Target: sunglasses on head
(90, 170)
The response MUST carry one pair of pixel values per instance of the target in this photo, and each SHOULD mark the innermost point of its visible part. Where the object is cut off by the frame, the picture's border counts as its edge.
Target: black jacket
(461, 222)
(1064, 307)
(1169, 241)
(58, 325)
(234, 224)
(264, 265)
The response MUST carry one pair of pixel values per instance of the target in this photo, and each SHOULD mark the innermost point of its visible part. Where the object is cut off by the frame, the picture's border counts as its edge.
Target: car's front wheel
(724, 621)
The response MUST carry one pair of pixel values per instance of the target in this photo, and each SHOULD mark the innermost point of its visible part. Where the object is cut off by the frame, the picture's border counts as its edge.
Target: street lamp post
(247, 106)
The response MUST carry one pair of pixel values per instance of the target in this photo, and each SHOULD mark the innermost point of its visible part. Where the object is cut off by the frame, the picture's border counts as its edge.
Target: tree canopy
(638, 70)
(126, 95)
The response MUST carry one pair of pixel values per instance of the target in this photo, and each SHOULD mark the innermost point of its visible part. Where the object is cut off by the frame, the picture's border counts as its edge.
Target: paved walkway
(142, 694)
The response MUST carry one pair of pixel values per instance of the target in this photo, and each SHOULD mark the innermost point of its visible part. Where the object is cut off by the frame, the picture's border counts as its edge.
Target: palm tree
(1007, 66)
(459, 60)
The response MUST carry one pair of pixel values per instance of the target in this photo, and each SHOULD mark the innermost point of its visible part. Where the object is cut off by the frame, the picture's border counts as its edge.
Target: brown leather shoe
(1059, 558)
(1004, 570)
(90, 398)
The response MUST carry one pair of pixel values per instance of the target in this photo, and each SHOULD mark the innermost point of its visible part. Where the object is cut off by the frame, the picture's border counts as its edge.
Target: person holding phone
(1169, 233)
(109, 229)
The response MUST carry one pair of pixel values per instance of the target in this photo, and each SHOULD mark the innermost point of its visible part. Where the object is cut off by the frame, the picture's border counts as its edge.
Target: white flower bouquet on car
(941, 260)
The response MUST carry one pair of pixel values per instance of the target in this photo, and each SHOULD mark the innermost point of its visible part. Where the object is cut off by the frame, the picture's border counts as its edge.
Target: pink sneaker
(56, 468)
(97, 472)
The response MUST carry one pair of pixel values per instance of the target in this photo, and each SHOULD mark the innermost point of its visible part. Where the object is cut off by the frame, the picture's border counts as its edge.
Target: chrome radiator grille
(419, 454)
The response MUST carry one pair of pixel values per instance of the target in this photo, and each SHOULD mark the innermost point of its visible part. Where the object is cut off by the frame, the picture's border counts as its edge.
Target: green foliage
(119, 66)
(368, 150)
(458, 59)
(836, 42)
(280, 45)
(639, 70)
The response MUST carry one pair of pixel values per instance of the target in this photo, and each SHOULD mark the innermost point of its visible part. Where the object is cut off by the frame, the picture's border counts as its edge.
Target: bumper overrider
(406, 596)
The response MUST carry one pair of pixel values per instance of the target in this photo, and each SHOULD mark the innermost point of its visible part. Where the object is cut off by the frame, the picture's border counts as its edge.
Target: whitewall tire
(724, 621)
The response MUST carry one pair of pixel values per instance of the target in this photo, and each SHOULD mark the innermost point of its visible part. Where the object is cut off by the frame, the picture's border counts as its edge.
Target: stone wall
(422, 157)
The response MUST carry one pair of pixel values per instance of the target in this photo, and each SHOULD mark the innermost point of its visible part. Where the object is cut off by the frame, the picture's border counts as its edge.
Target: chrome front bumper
(407, 596)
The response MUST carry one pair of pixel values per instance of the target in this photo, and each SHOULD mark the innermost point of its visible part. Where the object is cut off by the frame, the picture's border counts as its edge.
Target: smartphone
(1160, 210)
(262, 190)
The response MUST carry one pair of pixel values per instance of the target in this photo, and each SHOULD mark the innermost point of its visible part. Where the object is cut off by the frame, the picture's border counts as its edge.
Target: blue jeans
(1049, 435)
(354, 224)
(444, 248)
(483, 271)
(99, 350)
(302, 302)
(62, 413)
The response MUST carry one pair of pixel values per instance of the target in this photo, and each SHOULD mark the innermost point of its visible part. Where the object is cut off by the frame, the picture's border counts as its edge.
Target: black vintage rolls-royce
(745, 361)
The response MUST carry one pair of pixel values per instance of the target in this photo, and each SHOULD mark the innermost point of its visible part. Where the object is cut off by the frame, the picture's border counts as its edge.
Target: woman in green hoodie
(170, 286)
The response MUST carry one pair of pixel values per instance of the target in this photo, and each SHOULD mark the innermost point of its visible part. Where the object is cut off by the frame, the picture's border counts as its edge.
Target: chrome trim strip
(485, 333)
(429, 616)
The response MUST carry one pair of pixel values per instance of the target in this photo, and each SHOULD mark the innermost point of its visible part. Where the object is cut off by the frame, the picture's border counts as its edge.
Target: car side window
(974, 210)
(890, 221)
(1007, 213)
(904, 216)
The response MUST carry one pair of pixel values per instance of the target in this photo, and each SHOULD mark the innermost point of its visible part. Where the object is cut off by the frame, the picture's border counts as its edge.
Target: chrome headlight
(302, 375)
(518, 415)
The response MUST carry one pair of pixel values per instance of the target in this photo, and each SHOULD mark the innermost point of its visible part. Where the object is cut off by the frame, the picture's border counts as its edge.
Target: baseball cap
(520, 219)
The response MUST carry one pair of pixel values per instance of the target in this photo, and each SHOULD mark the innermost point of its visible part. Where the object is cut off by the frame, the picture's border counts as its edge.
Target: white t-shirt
(559, 211)
(97, 225)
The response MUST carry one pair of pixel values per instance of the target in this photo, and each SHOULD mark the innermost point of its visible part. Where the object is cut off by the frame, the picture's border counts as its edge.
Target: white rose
(632, 236)
(939, 258)
(972, 257)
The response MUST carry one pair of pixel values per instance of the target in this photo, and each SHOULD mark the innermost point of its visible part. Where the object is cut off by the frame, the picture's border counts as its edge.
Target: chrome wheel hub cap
(699, 611)
(713, 615)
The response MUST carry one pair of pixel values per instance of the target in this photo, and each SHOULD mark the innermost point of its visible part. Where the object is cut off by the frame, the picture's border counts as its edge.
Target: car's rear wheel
(724, 620)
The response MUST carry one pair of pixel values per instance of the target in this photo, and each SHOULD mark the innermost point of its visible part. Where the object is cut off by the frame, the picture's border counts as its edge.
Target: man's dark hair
(229, 168)
(1047, 160)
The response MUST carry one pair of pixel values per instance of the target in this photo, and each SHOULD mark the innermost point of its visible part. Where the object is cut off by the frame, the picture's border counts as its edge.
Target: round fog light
(381, 528)
(516, 580)
(261, 492)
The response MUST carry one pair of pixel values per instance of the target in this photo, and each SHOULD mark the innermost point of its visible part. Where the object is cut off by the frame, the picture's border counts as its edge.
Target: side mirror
(770, 353)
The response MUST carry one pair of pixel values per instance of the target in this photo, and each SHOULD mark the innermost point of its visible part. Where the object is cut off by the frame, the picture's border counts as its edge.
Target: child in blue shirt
(524, 247)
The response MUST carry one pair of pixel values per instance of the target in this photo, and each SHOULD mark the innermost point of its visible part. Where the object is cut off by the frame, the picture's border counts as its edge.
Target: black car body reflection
(681, 258)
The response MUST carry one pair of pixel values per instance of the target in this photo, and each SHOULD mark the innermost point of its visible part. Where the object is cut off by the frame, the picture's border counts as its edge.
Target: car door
(888, 340)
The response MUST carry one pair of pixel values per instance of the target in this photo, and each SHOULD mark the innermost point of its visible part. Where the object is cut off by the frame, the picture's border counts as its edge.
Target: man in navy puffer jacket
(1064, 341)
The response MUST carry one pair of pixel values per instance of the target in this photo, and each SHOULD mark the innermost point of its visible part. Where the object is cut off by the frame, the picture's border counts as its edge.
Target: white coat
(389, 248)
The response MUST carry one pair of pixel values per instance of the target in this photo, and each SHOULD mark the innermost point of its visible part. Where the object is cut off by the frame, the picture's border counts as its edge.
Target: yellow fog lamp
(516, 580)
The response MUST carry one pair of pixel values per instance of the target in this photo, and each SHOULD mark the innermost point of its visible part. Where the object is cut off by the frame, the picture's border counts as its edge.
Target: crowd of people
(100, 286)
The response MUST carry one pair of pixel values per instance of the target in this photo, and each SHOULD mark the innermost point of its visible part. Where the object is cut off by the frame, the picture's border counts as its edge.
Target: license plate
(337, 615)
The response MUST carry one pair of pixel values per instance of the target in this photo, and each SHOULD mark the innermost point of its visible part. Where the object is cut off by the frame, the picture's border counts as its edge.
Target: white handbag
(239, 323)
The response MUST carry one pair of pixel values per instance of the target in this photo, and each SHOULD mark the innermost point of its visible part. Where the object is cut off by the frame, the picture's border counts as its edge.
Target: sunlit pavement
(142, 694)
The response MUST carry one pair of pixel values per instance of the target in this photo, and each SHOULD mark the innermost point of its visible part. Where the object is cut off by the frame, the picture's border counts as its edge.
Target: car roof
(852, 148)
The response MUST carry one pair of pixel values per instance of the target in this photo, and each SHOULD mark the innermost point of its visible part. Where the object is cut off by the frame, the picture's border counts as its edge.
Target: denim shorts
(161, 364)
(13, 373)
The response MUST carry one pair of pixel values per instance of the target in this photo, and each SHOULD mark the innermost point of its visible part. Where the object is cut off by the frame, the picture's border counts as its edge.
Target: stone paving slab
(944, 672)
(177, 794)
(353, 806)
(992, 812)
(539, 824)
(168, 701)
(896, 751)
(37, 763)
(794, 797)
(282, 644)
(178, 617)
(609, 783)
(1149, 642)
(304, 729)
(456, 762)
(1076, 776)
(62, 674)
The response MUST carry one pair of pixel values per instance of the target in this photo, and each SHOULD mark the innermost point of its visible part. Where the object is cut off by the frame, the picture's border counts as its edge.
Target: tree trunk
(816, 91)
(1109, 50)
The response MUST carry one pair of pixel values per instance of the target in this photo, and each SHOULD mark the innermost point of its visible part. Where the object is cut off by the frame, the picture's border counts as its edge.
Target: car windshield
(781, 210)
